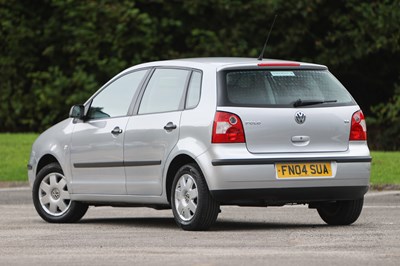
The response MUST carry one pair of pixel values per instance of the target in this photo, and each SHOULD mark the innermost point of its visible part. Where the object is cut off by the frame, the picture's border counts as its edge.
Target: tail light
(358, 129)
(228, 128)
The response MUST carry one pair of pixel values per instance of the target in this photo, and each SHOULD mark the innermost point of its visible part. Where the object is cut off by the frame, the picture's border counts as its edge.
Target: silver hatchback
(195, 134)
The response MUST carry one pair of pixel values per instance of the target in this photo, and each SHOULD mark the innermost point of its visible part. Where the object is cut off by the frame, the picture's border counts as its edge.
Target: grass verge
(385, 169)
(15, 149)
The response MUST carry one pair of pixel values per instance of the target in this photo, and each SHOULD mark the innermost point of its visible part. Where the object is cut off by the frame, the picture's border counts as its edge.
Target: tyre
(193, 206)
(52, 199)
(341, 212)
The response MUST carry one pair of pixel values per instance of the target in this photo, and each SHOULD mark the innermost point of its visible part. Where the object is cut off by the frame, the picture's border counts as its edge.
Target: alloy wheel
(53, 194)
(186, 197)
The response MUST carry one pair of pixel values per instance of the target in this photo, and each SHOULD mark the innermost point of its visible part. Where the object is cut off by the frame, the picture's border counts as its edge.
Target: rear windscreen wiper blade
(300, 102)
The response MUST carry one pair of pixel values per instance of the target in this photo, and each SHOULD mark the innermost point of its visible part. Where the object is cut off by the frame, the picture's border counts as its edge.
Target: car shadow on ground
(232, 225)
(220, 225)
(145, 222)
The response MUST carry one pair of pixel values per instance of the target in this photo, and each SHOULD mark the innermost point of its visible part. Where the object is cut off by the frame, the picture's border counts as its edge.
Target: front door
(97, 157)
(97, 161)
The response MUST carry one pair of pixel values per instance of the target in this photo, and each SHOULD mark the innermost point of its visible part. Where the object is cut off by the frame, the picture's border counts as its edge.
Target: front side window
(283, 88)
(115, 99)
(164, 92)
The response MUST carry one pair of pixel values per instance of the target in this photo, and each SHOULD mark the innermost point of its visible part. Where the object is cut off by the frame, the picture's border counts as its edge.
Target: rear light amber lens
(227, 128)
(358, 127)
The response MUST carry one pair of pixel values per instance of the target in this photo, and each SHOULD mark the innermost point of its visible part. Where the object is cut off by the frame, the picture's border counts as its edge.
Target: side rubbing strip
(142, 163)
(116, 164)
(97, 165)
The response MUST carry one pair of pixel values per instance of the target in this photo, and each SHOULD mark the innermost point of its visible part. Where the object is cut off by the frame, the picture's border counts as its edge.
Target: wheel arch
(46, 160)
(179, 161)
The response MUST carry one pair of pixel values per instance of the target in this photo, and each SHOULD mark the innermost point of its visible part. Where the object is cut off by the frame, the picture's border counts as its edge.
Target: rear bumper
(232, 173)
(280, 196)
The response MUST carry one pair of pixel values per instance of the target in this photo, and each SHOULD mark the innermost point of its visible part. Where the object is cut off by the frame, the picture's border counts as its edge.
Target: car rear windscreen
(281, 88)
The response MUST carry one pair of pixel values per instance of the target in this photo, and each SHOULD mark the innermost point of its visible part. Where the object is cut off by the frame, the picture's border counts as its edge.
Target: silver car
(195, 134)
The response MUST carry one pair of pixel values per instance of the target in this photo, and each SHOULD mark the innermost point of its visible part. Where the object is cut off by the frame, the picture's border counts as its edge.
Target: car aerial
(195, 134)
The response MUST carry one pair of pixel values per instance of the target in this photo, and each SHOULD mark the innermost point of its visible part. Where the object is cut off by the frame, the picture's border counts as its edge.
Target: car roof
(220, 63)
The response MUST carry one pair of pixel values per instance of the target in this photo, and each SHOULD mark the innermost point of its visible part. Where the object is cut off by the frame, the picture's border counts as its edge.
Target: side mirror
(77, 111)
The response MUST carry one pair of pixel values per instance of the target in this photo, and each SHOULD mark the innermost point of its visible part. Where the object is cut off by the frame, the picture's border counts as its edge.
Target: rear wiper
(299, 102)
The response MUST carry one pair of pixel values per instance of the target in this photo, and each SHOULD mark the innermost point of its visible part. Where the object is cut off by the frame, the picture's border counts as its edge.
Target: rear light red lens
(358, 127)
(279, 64)
(227, 128)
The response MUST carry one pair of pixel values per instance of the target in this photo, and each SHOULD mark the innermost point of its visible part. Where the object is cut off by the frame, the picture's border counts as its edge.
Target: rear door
(154, 131)
(286, 111)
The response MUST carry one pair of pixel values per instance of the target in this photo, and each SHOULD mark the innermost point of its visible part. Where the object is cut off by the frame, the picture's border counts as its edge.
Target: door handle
(170, 126)
(116, 131)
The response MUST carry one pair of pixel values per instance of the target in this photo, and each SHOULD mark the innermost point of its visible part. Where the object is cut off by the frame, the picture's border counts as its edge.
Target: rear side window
(164, 92)
(193, 94)
(282, 88)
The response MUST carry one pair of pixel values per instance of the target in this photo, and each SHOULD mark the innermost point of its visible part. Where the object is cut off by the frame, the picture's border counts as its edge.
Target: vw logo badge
(300, 117)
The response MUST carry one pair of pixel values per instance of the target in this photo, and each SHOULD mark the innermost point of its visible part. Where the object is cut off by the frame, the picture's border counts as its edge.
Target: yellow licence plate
(296, 170)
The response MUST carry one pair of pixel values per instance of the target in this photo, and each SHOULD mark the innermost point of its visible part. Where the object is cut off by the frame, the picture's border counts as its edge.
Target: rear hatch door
(286, 111)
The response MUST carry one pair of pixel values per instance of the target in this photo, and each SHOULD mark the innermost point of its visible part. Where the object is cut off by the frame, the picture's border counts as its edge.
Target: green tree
(385, 124)
(56, 53)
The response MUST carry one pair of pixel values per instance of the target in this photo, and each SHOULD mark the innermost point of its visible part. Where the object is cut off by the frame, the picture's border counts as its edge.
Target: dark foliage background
(54, 54)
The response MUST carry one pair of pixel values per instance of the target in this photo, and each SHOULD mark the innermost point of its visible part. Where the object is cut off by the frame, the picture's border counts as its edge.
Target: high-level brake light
(282, 64)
